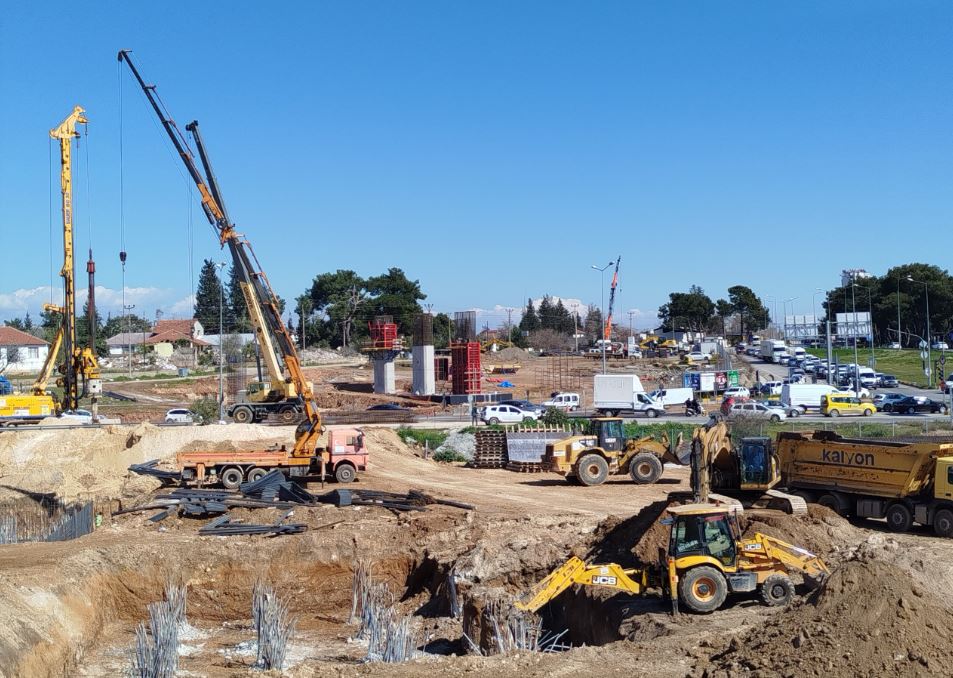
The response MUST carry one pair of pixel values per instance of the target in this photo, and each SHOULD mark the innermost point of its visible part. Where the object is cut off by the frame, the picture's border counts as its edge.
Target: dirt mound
(867, 619)
(509, 354)
(631, 541)
(821, 531)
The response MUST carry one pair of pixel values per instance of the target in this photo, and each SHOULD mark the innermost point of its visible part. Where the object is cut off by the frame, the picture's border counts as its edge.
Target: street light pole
(926, 292)
(793, 313)
(856, 364)
(899, 334)
(602, 272)
(817, 291)
(221, 347)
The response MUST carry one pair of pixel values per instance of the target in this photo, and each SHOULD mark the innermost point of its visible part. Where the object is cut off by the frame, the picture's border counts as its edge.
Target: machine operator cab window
(611, 434)
(755, 461)
(704, 534)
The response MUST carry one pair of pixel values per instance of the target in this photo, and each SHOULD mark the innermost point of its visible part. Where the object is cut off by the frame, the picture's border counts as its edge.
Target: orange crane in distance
(607, 332)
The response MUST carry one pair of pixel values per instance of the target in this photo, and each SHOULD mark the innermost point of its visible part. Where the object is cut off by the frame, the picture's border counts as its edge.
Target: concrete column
(424, 382)
(384, 381)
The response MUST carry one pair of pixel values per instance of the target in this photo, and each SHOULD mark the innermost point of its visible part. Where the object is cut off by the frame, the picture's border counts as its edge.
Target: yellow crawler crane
(706, 560)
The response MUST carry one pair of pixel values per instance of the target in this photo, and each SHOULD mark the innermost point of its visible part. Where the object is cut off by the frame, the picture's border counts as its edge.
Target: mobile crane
(346, 453)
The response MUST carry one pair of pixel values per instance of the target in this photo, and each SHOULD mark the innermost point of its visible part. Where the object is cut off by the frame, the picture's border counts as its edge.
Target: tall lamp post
(929, 368)
(602, 290)
(856, 364)
(221, 346)
(784, 310)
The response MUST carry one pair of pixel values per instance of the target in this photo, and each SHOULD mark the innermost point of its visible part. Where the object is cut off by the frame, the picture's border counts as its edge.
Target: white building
(20, 351)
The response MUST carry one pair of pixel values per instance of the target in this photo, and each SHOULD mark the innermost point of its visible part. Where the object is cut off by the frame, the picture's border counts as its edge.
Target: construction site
(411, 495)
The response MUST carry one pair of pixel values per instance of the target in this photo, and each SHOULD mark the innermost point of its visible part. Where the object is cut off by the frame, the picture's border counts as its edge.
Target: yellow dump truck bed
(883, 468)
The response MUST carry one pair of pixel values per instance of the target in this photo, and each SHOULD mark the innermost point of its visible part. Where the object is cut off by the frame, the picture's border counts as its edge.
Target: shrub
(433, 438)
(205, 410)
(555, 417)
(447, 455)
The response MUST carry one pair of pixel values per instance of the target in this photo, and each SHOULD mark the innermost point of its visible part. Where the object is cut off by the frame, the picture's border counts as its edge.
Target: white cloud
(108, 300)
(183, 307)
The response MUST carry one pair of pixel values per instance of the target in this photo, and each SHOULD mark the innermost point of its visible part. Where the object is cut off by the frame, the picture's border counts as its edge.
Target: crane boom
(260, 298)
(607, 332)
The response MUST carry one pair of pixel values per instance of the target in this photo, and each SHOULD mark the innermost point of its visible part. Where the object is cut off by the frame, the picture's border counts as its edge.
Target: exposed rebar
(157, 653)
(274, 626)
(389, 634)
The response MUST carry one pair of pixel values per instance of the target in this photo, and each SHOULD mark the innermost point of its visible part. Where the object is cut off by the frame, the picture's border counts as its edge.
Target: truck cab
(346, 453)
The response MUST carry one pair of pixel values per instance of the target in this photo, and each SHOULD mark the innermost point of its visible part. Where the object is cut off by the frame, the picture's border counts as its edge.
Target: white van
(805, 396)
(564, 401)
(672, 396)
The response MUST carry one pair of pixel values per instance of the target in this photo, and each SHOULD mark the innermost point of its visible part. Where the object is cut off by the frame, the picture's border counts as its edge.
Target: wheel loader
(590, 459)
(706, 560)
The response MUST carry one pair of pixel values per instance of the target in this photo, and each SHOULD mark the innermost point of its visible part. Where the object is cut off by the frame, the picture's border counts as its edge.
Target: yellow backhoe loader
(705, 561)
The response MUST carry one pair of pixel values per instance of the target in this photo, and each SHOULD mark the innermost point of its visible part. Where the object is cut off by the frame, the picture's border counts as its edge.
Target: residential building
(20, 351)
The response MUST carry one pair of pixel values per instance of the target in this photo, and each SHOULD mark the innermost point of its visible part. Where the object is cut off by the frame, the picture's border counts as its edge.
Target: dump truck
(706, 560)
(906, 482)
(590, 458)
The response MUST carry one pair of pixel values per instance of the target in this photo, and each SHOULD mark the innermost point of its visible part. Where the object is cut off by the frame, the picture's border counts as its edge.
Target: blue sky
(493, 150)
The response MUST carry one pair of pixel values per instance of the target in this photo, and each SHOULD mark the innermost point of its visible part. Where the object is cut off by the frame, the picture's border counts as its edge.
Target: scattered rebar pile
(514, 630)
(390, 635)
(274, 626)
(44, 519)
(157, 653)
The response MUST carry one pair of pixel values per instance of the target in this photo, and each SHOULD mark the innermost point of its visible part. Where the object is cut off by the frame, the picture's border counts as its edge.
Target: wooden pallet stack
(490, 450)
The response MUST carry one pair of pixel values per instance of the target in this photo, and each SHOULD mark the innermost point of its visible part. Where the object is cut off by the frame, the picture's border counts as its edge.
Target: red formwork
(465, 373)
(383, 335)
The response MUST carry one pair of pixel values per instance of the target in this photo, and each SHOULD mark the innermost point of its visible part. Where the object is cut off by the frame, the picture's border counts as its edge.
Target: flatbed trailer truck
(905, 482)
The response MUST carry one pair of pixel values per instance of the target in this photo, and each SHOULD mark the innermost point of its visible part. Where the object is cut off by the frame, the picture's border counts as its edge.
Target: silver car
(179, 416)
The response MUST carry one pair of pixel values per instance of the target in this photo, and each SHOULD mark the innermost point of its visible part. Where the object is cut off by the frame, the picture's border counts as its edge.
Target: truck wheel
(344, 473)
(651, 414)
(833, 502)
(777, 590)
(287, 414)
(242, 415)
(256, 474)
(867, 412)
(592, 469)
(645, 468)
(943, 523)
(899, 518)
(702, 589)
(232, 477)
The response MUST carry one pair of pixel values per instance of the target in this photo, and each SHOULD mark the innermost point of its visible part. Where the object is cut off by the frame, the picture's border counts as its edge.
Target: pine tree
(208, 297)
(82, 331)
(547, 318)
(530, 321)
(237, 311)
(27, 323)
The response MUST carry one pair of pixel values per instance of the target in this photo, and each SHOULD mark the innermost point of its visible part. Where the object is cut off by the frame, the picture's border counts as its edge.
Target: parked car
(888, 381)
(911, 405)
(881, 400)
(525, 405)
(505, 414)
(179, 416)
(940, 346)
(757, 411)
(78, 416)
(895, 344)
(694, 357)
(771, 388)
(387, 407)
(737, 392)
(839, 404)
(563, 401)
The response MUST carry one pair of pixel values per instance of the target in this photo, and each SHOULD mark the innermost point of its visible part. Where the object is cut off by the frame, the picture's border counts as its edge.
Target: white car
(563, 401)
(505, 414)
(78, 416)
(179, 416)
(696, 357)
(940, 346)
(737, 392)
(757, 411)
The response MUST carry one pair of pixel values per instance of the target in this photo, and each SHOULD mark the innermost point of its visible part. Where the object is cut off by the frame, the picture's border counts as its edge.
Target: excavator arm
(576, 571)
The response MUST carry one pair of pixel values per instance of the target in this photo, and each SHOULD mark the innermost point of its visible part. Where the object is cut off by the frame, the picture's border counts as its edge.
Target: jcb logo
(604, 581)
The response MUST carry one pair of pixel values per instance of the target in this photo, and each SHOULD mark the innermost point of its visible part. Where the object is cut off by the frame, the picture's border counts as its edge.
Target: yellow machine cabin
(904, 482)
(24, 409)
(706, 560)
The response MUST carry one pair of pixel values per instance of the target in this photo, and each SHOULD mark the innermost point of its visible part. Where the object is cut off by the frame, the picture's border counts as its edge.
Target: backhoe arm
(576, 571)
(793, 556)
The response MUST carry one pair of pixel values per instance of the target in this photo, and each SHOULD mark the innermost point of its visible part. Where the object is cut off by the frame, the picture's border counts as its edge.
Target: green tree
(16, 323)
(208, 297)
(690, 309)
(442, 326)
(340, 297)
(395, 295)
(530, 320)
(50, 324)
(237, 312)
(131, 323)
(752, 313)
(564, 319)
(592, 327)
